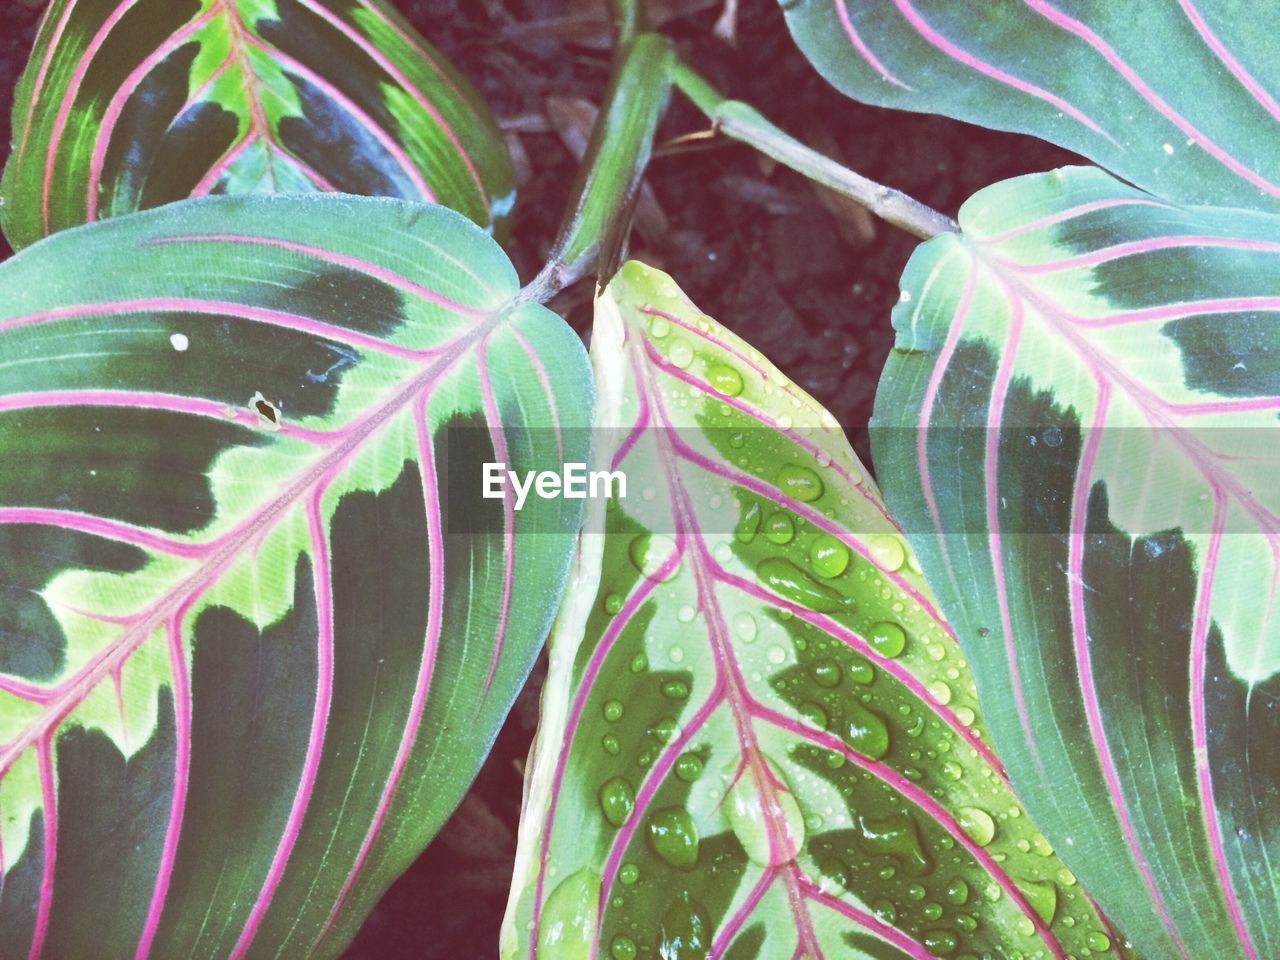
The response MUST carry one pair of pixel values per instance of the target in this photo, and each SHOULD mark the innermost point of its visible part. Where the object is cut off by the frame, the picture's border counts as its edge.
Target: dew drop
(748, 523)
(744, 624)
(725, 379)
(613, 603)
(827, 673)
(666, 730)
(940, 943)
(680, 353)
(769, 825)
(957, 892)
(1042, 896)
(861, 671)
(688, 767)
(977, 823)
(623, 948)
(612, 710)
(828, 556)
(952, 770)
(887, 639)
(777, 655)
(785, 578)
(1041, 846)
(885, 911)
(674, 837)
(686, 613)
(939, 691)
(659, 327)
(610, 744)
(815, 715)
(888, 551)
(833, 876)
(896, 836)
(568, 929)
(1097, 940)
(866, 731)
(799, 483)
(686, 931)
(779, 528)
(617, 800)
(675, 689)
(649, 551)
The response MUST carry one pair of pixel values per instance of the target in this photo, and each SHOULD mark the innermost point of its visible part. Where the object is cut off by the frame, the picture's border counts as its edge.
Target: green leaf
(758, 739)
(259, 627)
(1176, 97)
(1078, 430)
(130, 104)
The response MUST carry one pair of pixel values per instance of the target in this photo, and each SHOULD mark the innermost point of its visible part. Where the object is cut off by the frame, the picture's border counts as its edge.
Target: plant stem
(743, 122)
(621, 143)
(628, 21)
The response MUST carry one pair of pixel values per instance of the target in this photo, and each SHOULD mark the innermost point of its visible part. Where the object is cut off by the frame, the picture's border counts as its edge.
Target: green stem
(621, 144)
(628, 21)
(743, 122)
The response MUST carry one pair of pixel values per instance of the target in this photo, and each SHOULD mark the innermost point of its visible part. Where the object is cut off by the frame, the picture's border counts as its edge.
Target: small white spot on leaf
(180, 342)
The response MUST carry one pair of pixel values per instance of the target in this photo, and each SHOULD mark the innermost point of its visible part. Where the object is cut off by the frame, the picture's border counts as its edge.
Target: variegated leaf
(1079, 431)
(258, 626)
(1181, 97)
(130, 104)
(758, 738)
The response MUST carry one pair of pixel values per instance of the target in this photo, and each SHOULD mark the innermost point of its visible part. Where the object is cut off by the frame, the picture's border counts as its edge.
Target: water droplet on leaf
(617, 800)
(649, 551)
(779, 528)
(767, 821)
(568, 929)
(680, 354)
(827, 673)
(896, 836)
(828, 556)
(888, 551)
(977, 823)
(686, 931)
(785, 578)
(799, 483)
(887, 639)
(866, 731)
(725, 379)
(674, 837)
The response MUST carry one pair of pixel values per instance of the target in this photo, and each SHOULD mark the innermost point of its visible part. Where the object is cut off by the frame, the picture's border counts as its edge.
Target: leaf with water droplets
(1078, 430)
(816, 786)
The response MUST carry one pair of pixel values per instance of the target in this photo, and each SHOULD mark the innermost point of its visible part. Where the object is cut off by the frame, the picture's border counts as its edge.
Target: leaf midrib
(56, 709)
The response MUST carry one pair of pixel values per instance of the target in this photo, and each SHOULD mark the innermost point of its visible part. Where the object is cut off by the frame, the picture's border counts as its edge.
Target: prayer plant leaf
(259, 627)
(1078, 430)
(1178, 96)
(758, 738)
(130, 104)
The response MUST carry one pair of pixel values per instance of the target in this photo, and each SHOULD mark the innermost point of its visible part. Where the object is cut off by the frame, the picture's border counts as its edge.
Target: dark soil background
(805, 278)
